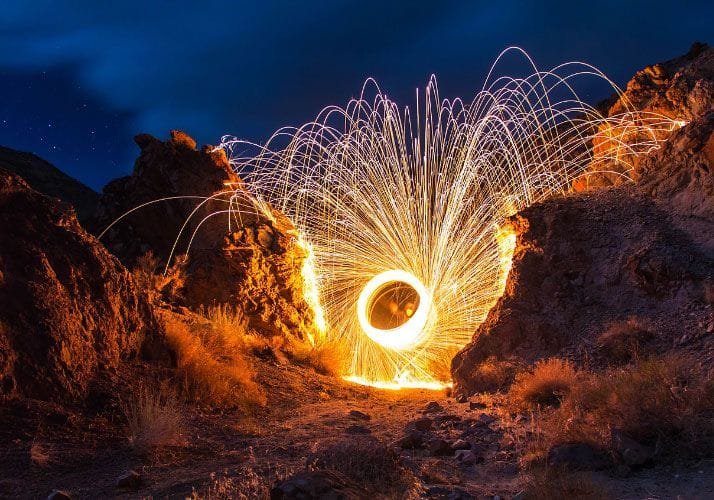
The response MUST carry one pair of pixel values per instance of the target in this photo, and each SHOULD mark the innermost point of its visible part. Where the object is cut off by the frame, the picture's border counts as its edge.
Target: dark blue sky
(79, 78)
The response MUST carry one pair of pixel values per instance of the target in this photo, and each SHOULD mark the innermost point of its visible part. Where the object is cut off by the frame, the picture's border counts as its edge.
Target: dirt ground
(227, 452)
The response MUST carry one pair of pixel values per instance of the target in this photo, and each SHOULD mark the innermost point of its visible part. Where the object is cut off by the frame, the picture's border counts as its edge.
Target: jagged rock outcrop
(641, 252)
(247, 256)
(680, 90)
(70, 314)
(48, 179)
(172, 169)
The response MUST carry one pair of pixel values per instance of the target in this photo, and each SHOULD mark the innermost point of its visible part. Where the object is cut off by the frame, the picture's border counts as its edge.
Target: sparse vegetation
(546, 385)
(149, 276)
(325, 357)
(624, 341)
(493, 375)
(154, 419)
(366, 461)
(665, 404)
(211, 366)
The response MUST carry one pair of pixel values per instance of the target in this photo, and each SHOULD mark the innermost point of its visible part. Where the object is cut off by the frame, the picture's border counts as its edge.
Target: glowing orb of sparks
(410, 328)
(417, 201)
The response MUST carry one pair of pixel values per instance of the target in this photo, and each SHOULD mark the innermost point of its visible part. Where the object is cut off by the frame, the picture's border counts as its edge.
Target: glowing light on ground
(416, 202)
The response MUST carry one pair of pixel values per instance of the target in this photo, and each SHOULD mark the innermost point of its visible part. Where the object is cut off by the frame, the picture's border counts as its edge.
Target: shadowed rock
(69, 311)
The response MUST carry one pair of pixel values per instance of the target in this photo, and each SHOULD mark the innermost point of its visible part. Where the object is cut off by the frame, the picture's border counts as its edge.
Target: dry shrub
(493, 375)
(623, 341)
(154, 419)
(664, 403)
(547, 484)
(156, 281)
(246, 485)
(364, 460)
(325, 357)
(546, 385)
(211, 366)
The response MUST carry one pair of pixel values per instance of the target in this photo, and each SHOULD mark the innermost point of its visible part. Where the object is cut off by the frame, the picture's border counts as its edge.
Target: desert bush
(665, 404)
(493, 375)
(211, 368)
(623, 341)
(150, 276)
(545, 385)
(364, 460)
(325, 357)
(154, 419)
(247, 484)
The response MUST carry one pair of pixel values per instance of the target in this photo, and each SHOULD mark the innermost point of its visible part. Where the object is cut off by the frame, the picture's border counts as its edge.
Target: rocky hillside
(71, 314)
(48, 179)
(636, 259)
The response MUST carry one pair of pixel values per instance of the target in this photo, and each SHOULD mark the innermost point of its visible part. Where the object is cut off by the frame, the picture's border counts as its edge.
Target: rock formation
(171, 169)
(48, 179)
(69, 311)
(681, 89)
(639, 253)
(249, 258)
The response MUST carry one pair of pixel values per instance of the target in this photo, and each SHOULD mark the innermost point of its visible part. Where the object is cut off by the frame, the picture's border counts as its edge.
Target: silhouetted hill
(44, 177)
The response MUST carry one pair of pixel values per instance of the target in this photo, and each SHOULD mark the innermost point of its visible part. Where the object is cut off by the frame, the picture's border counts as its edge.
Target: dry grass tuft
(154, 419)
(546, 385)
(623, 341)
(246, 485)
(325, 357)
(665, 404)
(211, 366)
(493, 375)
(149, 276)
(547, 484)
(366, 461)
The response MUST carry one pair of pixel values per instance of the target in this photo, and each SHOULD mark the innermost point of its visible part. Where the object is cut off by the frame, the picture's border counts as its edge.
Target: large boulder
(70, 314)
(642, 254)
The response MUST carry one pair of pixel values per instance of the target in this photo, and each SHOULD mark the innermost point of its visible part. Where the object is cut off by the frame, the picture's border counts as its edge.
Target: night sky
(79, 79)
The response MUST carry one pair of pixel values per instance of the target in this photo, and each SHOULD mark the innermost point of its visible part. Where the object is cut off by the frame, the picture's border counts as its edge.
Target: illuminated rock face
(585, 261)
(70, 315)
(681, 89)
(251, 259)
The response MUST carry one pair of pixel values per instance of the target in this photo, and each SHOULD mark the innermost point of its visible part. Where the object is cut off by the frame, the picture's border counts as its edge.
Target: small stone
(131, 479)
(433, 407)
(461, 444)
(466, 457)
(358, 415)
(485, 419)
(412, 440)
(439, 448)
(476, 405)
(357, 429)
(422, 424)
(59, 495)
